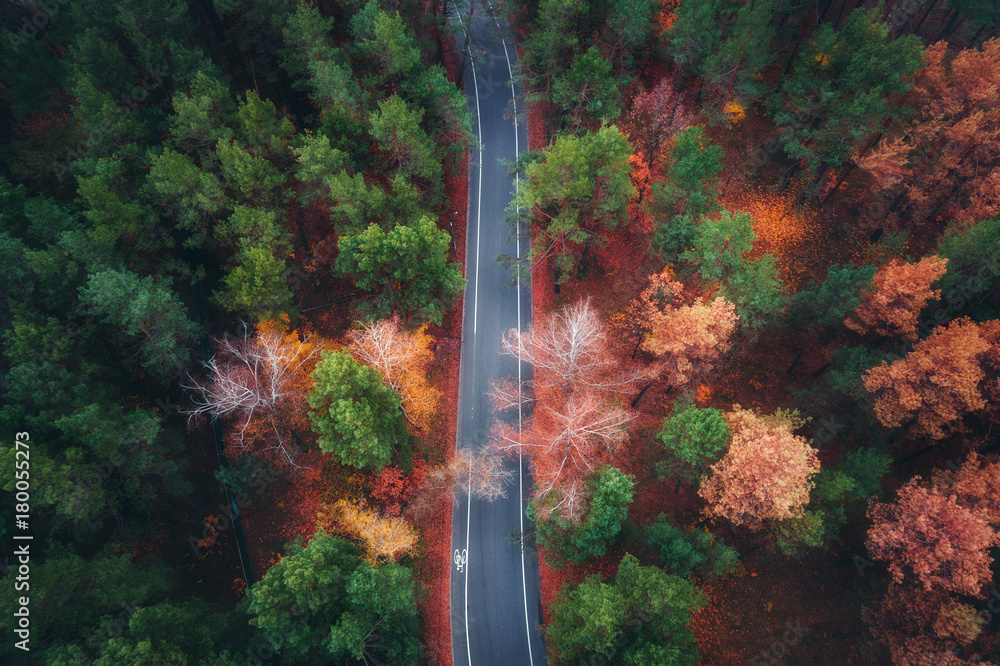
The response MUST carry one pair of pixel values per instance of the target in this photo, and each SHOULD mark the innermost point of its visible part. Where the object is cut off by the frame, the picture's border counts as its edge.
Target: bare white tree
(566, 443)
(249, 378)
(507, 394)
(572, 345)
(384, 346)
(568, 501)
(577, 423)
(481, 473)
(477, 472)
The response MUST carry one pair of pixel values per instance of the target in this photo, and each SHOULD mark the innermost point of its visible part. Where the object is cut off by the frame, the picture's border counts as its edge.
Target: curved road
(495, 600)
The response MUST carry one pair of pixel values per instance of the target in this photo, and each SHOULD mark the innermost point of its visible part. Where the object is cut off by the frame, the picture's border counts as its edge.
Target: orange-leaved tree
(766, 472)
(636, 321)
(949, 375)
(259, 382)
(688, 339)
(402, 357)
(975, 485)
(899, 292)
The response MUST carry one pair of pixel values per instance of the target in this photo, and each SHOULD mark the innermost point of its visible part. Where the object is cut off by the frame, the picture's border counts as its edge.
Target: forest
(765, 336)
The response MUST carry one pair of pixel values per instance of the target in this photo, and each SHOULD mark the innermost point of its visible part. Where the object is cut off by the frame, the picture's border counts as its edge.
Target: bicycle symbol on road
(461, 557)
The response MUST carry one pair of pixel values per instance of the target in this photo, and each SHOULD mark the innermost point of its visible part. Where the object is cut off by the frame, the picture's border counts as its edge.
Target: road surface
(495, 601)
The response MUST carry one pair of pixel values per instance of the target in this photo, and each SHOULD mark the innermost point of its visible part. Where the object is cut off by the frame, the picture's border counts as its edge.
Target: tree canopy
(357, 418)
(405, 270)
(323, 600)
(642, 616)
(578, 187)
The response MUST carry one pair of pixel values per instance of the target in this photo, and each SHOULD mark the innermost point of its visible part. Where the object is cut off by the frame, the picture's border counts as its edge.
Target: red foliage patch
(754, 609)
(389, 490)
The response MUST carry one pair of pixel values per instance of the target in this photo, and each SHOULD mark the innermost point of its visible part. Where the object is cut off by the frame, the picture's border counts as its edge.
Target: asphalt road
(495, 600)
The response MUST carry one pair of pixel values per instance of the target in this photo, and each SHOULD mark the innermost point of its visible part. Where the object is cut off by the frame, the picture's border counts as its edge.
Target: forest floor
(212, 568)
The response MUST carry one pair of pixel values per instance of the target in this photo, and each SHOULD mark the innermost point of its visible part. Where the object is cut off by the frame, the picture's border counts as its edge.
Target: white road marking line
(475, 318)
(468, 519)
(475, 321)
(479, 195)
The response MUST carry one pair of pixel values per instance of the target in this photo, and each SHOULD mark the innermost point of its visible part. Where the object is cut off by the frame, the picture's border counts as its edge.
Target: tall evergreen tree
(842, 88)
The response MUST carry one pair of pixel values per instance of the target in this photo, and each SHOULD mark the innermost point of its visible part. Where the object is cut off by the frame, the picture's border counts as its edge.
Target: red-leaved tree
(925, 628)
(636, 321)
(655, 117)
(929, 530)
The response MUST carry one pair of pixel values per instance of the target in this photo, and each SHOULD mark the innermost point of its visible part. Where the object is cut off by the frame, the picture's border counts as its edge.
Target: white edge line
(475, 321)
(475, 312)
(468, 519)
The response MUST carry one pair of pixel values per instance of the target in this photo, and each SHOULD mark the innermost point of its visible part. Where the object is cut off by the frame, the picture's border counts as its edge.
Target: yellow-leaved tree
(402, 357)
(382, 537)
